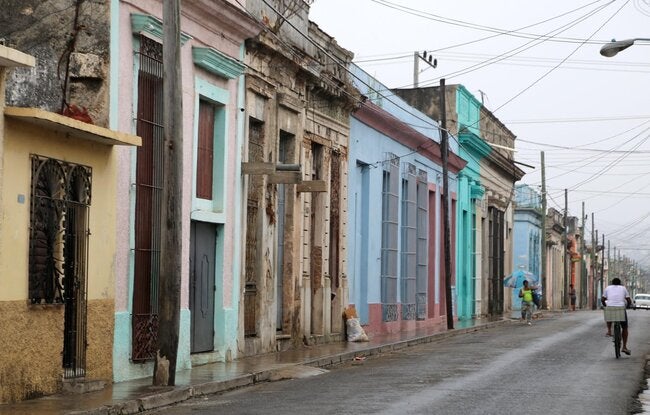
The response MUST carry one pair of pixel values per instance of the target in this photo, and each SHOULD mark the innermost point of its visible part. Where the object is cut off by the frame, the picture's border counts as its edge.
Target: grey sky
(587, 103)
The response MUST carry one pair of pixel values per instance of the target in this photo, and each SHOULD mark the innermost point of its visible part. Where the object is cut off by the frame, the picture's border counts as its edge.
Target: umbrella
(517, 278)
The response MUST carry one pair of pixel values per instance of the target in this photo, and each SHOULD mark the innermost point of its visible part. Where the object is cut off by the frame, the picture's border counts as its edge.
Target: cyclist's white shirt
(616, 295)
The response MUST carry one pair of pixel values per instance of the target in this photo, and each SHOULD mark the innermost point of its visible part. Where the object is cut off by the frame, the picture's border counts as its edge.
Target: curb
(183, 393)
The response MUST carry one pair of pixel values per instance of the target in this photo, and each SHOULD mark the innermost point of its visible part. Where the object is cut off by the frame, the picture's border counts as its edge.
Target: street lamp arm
(612, 48)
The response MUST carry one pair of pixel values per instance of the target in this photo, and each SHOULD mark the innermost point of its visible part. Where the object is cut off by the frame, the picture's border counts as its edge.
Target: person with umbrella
(527, 300)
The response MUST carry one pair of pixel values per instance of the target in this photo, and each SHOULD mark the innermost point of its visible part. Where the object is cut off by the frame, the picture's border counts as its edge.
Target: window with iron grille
(58, 250)
(148, 199)
(408, 242)
(335, 218)
(60, 198)
(389, 229)
(253, 265)
(422, 252)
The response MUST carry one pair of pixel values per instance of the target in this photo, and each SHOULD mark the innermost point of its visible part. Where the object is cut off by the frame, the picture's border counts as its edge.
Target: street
(562, 364)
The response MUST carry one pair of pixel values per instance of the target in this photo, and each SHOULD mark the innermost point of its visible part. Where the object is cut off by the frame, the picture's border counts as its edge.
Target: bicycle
(616, 314)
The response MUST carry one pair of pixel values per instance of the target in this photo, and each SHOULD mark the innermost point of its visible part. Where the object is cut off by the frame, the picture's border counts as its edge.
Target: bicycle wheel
(617, 339)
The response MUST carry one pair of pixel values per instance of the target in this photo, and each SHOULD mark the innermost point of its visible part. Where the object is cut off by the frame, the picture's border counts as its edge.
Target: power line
(516, 61)
(603, 171)
(476, 56)
(346, 69)
(521, 48)
(534, 43)
(584, 119)
(600, 156)
(499, 32)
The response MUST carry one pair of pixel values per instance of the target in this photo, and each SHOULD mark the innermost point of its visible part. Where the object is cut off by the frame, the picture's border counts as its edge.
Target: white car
(641, 301)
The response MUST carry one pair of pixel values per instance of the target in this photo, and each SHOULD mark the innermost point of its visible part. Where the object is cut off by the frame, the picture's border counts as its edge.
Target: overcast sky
(589, 114)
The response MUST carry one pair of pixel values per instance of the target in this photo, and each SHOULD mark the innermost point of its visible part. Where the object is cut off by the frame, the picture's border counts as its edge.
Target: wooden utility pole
(602, 268)
(543, 264)
(565, 238)
(583, 270)
(594, 302)
(170, 251)
(444, 147)
(609, 261)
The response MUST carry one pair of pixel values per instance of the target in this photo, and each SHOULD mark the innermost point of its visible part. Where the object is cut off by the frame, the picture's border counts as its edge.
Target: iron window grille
(58, 249)
(148, 203)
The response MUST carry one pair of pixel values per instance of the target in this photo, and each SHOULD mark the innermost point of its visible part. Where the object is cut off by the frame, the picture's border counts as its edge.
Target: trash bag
(355, 331)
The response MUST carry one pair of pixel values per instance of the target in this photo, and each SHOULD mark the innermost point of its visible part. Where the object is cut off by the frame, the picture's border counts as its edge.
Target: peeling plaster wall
(298, 93)
(43, 29)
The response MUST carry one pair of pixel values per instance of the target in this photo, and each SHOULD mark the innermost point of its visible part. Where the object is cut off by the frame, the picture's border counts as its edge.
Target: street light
(612, 48)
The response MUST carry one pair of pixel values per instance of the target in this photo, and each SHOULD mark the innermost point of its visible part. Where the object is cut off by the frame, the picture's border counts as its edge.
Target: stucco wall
(33, 335)
(369, 147)
(33, 342)
(21, 140)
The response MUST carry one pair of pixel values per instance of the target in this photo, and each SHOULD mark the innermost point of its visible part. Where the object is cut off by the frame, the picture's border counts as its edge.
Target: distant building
(527, 238)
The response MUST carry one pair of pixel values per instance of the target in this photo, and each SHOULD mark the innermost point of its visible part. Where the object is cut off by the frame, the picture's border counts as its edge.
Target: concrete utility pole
(416, 69)
(444, 147)
(416, 65)
(170, 251)
(543, 264)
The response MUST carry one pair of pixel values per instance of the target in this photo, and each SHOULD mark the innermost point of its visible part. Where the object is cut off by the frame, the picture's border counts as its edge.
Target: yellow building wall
(32, 335)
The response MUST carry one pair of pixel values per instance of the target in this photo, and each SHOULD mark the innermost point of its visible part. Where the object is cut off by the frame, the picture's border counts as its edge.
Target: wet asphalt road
(562, 364)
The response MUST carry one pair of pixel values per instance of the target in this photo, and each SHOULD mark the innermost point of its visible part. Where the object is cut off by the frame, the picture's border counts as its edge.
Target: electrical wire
(573, 120)
(469, 56)
(345, 68)
(397, 105)
(499, 32)
(519, 49)
(603, 171)
(533, 44)
(597, 157)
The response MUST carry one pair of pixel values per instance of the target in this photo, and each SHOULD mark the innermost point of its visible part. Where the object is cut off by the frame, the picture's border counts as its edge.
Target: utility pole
(444, 147)
(594, 304)
(565, 237)
(609, 261)
(416, 69)
(170, 250)
(602, 268)
(416, 65)
(543, 267)
(583, 271)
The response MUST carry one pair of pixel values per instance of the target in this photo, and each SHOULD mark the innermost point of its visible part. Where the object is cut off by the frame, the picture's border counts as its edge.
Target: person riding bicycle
(617, 295)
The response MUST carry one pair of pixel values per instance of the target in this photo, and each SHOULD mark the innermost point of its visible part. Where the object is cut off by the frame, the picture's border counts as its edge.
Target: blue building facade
(470, 191)
(396, 272)
(527, 234)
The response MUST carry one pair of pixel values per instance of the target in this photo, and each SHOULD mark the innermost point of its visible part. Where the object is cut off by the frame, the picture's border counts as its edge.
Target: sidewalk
(138, 395)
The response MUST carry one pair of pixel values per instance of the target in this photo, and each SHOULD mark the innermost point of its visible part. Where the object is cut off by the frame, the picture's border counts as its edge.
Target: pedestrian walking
(526, 295)
(572, 297)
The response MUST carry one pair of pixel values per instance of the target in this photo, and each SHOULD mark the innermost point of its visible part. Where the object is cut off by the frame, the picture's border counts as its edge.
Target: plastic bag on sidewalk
(355, 331)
